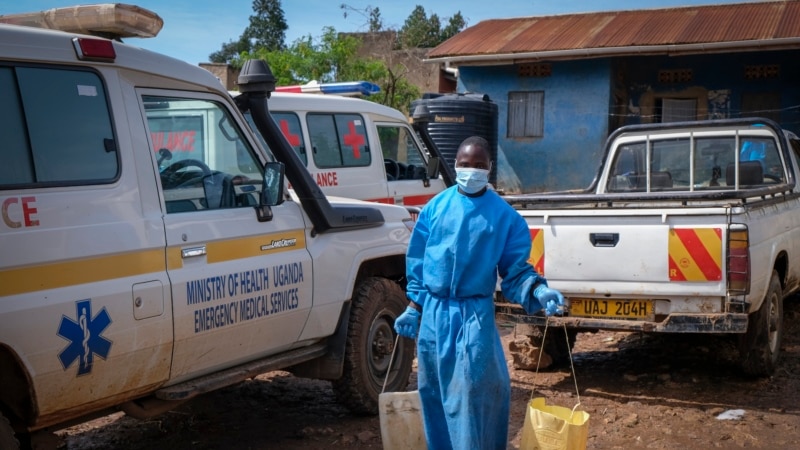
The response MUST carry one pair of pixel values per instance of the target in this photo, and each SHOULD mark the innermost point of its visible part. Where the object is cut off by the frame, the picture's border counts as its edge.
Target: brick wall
(226, 74)
(381, 45)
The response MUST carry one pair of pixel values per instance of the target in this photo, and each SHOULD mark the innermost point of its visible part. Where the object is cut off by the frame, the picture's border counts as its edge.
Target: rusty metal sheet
(758, 21)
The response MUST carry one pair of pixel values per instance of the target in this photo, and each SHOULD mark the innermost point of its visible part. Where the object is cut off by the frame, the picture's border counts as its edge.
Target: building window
(678, 109)
(534, 70)
(762, 72)
(675, 76)
(526, 114)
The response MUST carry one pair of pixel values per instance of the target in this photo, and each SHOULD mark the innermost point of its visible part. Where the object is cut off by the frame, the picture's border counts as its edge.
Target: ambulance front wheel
(377, 302)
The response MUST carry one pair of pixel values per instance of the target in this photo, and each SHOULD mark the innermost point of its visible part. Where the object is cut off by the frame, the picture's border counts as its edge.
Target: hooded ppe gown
(458, 247)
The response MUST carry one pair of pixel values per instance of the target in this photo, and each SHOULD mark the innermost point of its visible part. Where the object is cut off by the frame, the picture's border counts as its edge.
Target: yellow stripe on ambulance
(109, 267)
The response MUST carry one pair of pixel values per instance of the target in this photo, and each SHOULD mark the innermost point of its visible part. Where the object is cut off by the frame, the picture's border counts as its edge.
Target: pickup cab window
(687, 164)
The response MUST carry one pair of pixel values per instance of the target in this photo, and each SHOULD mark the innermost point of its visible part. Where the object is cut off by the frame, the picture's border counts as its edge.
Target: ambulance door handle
(193, 252)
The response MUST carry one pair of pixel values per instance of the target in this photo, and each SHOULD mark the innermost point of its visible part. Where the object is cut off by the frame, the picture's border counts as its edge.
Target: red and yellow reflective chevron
(537, 250)
(695, 254)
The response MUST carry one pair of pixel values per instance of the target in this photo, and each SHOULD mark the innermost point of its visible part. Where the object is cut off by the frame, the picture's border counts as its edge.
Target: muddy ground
(661, 392)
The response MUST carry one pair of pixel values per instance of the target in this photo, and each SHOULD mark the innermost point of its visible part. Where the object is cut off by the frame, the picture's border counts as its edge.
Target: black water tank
(451, 118)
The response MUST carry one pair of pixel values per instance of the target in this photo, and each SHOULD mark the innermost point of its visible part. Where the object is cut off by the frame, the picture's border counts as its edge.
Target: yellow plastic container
(554, 427)
(401, 421)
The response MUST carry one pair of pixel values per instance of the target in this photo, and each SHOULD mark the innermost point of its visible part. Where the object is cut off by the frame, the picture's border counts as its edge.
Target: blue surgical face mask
(471, 180)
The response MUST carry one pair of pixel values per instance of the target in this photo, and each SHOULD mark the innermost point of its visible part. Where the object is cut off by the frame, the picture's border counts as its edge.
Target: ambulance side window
(56, 128)
(204, 161)
(398, 146)
(289, 124)
(338, 140)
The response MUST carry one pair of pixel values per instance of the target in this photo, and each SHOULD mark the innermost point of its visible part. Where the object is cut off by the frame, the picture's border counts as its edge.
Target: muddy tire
(555, 343)
(7, 439)
(759, 347)
(370, 339)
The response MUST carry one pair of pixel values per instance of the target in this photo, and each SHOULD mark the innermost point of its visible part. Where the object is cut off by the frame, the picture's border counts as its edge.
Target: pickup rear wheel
(558, 344)
(370, 339)
(759, 347)
(7, 439)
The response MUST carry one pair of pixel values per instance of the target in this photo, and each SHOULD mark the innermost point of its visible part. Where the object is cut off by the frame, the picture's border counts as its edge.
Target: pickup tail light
(738, 260)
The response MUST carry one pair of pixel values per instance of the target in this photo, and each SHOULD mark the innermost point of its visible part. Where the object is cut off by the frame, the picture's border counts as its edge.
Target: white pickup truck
(687, 228)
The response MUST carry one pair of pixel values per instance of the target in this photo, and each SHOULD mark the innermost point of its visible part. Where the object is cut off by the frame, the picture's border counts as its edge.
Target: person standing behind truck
(463, 239)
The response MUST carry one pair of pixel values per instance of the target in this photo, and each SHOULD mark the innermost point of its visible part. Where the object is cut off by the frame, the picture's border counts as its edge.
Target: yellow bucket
(554, 427)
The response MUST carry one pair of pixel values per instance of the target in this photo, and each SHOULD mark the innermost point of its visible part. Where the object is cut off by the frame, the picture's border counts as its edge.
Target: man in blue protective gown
(463, 239)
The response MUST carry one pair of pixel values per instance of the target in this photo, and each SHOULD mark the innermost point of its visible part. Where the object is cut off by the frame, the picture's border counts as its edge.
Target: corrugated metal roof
(728, 27)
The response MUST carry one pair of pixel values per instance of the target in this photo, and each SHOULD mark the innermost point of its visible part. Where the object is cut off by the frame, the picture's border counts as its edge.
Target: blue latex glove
(551, 300)
(407, 324)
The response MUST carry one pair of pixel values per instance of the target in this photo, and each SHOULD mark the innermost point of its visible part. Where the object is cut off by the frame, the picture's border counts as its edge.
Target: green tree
(375, 20)
(418, 30)
(230, 50)
(421, 31)
(268, 26)
(334, 57)
(454, 26)
(396, 90)
(267, 29)
(373, 16)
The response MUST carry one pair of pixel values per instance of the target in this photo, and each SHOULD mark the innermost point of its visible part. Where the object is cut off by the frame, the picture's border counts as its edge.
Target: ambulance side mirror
(272, 192)
(433, 167)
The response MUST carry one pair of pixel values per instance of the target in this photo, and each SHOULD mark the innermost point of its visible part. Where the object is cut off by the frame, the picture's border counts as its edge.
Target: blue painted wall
(585, 100)
(576, 99)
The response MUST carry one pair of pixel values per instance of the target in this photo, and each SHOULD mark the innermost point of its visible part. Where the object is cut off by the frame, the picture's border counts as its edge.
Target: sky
(193, 29)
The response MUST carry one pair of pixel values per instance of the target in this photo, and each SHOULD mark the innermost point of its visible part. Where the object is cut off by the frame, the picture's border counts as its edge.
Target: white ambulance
(356, 148)
(149, 249)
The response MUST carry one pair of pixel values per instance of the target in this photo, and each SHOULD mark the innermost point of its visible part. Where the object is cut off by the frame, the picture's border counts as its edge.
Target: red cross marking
(354, 139)
(294, 139)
